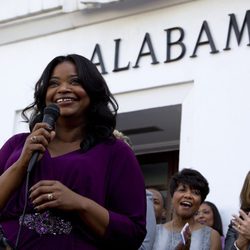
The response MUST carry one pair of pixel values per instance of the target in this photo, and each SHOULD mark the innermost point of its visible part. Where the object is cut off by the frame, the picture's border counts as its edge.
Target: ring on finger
(33, 139)
(239, 226)
(50, 196)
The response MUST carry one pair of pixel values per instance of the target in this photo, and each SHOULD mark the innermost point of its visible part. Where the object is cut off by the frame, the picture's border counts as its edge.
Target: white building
(178, 68)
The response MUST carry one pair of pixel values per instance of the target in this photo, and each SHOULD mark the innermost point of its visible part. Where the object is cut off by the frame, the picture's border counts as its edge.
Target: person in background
(188, 189)
(208, 214)
(82, 191)
(238, 233)
(148, 241)
(159, 205)
(120, 135)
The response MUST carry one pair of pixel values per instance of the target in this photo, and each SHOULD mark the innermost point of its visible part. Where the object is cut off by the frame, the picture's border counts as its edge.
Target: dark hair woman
(208, 214)
(79, 187)
(188, 189)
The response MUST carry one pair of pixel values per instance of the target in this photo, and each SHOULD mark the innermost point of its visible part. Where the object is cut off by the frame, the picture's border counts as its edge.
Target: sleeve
(126, 201)
(11, 150)
(150, 224)
(5, 153)
(231, 237)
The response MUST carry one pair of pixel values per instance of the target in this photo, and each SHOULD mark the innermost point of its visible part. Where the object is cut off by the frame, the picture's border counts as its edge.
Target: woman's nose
(188, 194)
(200, 215)
(64, 87)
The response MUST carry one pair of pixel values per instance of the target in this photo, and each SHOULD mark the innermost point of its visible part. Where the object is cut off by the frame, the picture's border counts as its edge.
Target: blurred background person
(238, 233)
(159, 205)
(208, 214)
(148, 241)
(150, 224)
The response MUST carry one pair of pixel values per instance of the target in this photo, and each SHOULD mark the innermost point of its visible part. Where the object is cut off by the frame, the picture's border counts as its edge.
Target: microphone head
(52, 109)
(51, 113)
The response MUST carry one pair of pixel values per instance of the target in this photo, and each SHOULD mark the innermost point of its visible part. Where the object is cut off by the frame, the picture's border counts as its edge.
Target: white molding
(156, 147)
(59, 19)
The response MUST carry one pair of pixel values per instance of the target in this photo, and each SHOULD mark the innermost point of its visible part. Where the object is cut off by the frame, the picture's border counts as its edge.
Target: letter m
(233, 25)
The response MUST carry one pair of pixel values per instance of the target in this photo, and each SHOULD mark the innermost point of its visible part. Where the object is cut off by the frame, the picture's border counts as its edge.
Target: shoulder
(206, 231)
(215, 234)
(162, 230)
(215, 239)
(15, 140)
(167, 225)
(118, 155)
(116, 146)
(119, 143)
(202, 232)
(11, 149)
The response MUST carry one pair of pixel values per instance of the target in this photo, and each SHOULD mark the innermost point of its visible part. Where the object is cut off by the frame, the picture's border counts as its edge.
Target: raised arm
(13, 164)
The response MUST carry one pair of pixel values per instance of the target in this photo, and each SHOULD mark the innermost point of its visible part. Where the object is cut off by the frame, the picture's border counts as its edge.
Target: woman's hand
(38, 140)
(186, 239)
(53, 194)
(48, 194)
(241, 224)
(182, 246)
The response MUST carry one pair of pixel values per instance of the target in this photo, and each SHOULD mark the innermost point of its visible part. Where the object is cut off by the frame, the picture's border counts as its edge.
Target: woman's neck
(178, 223)
(67, 139)
(68, 132)
(69, 135)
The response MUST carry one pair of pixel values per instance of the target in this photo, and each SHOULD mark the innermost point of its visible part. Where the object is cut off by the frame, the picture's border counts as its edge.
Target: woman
(208, 214)
(82, 193)
(238, 234)
(188, 190)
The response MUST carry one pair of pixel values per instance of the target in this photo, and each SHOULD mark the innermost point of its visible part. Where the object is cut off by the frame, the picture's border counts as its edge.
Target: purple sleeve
(126, 202)
(11, 150)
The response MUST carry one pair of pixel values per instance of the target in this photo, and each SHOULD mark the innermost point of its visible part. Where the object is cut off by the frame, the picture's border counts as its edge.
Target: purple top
(108, 173)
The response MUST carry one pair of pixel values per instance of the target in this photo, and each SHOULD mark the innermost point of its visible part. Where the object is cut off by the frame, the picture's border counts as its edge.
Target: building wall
(212, 88)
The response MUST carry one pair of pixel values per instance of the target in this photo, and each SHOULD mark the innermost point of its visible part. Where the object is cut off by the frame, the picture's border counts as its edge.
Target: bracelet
(235, 245)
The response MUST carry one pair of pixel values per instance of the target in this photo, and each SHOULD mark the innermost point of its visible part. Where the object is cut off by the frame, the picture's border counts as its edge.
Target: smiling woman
(78, 197)
(208, 214)
(188, 190)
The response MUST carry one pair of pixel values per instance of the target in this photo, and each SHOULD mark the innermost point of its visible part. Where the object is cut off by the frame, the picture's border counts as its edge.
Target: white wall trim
(59, 20)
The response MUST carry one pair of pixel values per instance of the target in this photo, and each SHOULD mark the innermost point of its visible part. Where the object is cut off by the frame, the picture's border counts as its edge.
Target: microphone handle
(32, 161)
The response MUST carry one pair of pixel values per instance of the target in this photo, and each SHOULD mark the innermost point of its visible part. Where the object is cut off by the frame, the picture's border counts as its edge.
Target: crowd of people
(196, 223)
(73, 181)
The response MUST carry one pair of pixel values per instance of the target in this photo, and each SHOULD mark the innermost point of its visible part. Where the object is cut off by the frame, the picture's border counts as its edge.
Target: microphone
(51, 113)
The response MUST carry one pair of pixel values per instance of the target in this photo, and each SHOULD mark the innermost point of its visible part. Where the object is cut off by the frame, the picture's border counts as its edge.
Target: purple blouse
(108, 173)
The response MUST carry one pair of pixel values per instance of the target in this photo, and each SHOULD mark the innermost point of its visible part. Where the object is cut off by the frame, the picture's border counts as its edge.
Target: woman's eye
(53, 84)
(181, 189)
(196, 192)
(75, 81)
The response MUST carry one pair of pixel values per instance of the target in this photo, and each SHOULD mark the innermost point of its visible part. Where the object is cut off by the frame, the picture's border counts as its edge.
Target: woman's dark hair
(217, 225)
(245, 194)
(101, 114)
(192, 178)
